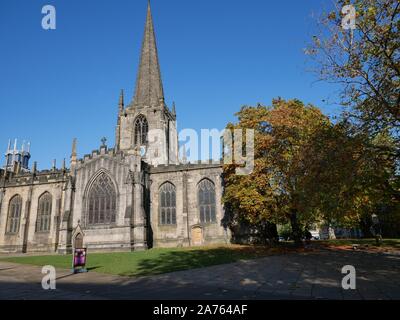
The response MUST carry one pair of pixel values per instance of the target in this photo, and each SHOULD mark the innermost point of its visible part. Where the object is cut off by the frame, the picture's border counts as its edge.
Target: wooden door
(197, 236)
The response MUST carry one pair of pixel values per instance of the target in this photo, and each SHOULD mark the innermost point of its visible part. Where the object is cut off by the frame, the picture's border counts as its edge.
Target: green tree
(365, 62)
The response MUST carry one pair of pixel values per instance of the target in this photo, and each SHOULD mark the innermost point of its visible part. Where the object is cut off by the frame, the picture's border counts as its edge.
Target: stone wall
(186, 180)
(115, 237)
(137, 223)
(31, 188)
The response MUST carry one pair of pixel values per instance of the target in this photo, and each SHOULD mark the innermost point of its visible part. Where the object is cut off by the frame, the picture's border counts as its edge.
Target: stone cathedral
(134, 196)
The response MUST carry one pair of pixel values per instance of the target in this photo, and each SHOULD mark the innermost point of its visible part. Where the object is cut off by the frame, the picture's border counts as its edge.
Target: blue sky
(215, 55)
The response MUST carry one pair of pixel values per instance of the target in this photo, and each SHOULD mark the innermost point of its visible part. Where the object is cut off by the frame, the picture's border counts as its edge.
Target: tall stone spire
(149, 88)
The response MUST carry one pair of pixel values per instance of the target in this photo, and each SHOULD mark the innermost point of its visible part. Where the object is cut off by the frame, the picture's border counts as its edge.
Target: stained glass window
(14, 214)
(167, 198)
(206, 198)
(44, 213)
(102, 201)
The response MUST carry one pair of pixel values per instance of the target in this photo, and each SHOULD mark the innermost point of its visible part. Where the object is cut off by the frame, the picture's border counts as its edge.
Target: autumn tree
(349, 181)
(275, 190)
(252, 199)
(307, 170)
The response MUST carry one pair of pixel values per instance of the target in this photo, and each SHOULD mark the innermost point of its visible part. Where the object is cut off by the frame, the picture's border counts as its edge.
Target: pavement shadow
(192, 259)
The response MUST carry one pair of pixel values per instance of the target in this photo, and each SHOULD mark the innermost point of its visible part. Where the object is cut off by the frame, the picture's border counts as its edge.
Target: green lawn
(154, 261)
(158, 261)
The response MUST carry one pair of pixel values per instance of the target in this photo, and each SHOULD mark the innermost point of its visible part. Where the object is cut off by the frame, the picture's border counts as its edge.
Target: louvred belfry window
(141, 131)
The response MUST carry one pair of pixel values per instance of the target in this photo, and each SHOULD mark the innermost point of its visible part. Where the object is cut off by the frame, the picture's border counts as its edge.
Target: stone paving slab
(305, 276)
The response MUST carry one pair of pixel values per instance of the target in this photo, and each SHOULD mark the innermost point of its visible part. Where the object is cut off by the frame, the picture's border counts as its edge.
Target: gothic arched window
(102, 201)
(206, 194)
(141, 131)
(44, 213)
(14, 214)
(167, 198)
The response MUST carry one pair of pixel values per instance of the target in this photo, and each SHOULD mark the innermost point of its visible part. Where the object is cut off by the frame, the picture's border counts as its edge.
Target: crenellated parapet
(197, 165)
(28, 179)
(102, 152)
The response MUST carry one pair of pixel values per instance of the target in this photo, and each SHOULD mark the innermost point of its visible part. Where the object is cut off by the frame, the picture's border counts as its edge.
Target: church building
(134, 196)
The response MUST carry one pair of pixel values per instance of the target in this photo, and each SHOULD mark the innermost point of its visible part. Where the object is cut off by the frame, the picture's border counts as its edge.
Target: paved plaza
(314, 275)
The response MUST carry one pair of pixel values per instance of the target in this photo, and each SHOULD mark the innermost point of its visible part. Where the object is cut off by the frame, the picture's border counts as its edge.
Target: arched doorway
(79, 241)
(197, 236)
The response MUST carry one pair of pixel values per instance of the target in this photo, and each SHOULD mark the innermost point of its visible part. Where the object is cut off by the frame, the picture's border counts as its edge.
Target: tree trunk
(296, 230)
(270, 233)
(273, 231)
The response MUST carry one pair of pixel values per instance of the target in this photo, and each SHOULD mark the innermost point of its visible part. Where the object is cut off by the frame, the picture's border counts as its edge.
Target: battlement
(198, 165)
(101, 152)
(10, 179)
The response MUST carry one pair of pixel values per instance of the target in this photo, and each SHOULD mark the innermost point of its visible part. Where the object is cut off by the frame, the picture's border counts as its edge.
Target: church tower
(147, 127)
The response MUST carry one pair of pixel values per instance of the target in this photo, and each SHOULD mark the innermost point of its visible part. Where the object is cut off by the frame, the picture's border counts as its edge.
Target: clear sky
(215, 55)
